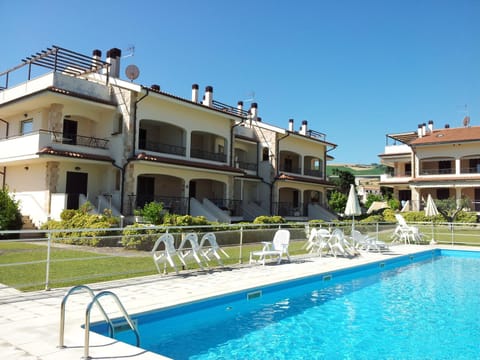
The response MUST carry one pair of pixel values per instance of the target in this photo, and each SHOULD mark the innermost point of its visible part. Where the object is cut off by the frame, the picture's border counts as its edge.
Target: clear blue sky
(355, 70)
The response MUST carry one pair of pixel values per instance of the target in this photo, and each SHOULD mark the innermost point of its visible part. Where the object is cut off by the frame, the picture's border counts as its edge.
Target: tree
(10, 216)
(343, 180)
(337, 201)
(450, 207)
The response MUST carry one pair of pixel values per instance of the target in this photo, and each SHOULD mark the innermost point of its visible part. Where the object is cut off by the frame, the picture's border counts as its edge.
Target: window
(26, 126)
(265, 156)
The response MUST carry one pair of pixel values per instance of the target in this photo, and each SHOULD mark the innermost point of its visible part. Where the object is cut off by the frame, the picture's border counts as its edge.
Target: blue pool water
(427, 307)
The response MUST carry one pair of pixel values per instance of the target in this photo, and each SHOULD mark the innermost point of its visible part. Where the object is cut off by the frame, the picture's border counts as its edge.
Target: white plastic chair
(365, 242)
(212, 249)
(165, 256)
(406, 233)
(193, 251)
(340, 246)
(277, 248)
(317, 242)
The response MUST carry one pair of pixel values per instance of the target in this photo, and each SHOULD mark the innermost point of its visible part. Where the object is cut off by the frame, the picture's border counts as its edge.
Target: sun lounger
(277, 248)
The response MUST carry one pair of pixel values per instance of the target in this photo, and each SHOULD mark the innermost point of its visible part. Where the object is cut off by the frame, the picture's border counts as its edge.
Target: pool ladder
(95, 300)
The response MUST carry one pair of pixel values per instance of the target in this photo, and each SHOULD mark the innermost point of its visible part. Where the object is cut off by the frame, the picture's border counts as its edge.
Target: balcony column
(458, 168)
(55, 118)
(458, 195)
(188, 145)
(415, 199)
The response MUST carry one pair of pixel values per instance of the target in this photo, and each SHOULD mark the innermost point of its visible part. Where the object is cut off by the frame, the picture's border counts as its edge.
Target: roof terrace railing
(61, 60)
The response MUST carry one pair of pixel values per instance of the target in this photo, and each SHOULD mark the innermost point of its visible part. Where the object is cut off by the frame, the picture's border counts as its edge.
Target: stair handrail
(62, 312)
(95, 300)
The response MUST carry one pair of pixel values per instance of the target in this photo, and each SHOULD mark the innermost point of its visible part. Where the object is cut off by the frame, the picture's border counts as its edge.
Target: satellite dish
(132, 72)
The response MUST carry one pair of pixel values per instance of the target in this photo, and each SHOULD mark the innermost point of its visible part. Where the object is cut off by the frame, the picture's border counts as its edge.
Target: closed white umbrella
(431, 210)
(353, 206)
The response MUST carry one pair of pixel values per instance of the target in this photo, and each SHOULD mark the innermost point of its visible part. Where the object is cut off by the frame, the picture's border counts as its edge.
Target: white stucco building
(72, 130)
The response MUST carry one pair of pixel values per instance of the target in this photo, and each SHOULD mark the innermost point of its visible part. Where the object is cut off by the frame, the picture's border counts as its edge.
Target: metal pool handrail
(62, 312)
(95, 300)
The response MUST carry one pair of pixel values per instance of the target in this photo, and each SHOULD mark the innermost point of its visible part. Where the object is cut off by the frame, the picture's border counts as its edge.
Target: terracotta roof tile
(73, 154)
(193, 164)
(448, 135)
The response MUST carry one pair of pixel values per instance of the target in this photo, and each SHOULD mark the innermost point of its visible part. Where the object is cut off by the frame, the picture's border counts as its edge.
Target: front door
(76, 185)
(145, 190)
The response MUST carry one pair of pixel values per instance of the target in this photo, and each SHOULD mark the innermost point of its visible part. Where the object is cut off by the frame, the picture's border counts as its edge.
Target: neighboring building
(80, 133)
(442, 162)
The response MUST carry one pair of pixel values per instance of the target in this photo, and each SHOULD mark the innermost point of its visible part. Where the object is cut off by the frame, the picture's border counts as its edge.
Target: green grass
(23, 265)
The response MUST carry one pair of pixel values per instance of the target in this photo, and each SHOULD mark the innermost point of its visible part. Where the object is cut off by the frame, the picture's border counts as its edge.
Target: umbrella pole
(433, 242)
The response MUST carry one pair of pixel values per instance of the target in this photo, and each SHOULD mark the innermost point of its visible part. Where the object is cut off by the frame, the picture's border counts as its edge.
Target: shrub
(10, 216)
(153, 213)
(269, 220)
(83, 225)
(137, 237)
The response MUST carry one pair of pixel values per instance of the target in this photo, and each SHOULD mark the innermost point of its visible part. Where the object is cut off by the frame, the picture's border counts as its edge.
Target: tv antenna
(130, 51)
(250, 97)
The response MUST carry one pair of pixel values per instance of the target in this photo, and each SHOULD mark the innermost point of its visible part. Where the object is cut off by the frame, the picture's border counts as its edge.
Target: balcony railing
(285, 208)
(470, 170)
(313, 172)
(207, 155)
(233, 207)
(291, 169)
(172, 204)
(437, 171)
(247, 165)
(402, 174)
(80, 140)
(165, 148)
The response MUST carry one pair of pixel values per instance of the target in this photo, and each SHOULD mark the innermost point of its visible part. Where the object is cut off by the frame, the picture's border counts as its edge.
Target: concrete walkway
(29, 322)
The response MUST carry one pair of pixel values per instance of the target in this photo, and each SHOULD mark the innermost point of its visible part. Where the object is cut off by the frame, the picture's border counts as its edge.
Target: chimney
(240, 107)
(208, 96)
(447, 126)
(424, 129)
(290, 125)
(303, 129)
(259, 119)
(419, 131)
(155, 87)
(113, 58)
(430, 126)
(195, 93)
(254, 111)
(96, 58)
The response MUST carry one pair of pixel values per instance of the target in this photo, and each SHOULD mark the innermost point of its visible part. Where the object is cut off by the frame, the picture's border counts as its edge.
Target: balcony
(164, 148)
(207, 155)
(247, 165)
(290, 169)
(313, 172)
(26, 146)
(437, 171)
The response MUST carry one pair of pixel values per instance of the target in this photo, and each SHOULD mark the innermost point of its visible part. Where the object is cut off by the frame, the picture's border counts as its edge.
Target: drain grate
(254, 295)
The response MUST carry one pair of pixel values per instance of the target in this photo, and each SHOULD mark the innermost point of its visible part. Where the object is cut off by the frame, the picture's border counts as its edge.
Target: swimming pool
(422, 307)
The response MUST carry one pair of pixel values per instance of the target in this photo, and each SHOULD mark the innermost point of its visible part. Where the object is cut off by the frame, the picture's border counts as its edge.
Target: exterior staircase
(29, 225)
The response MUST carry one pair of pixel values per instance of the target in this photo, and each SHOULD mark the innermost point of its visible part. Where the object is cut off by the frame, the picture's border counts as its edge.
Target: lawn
(23, 265)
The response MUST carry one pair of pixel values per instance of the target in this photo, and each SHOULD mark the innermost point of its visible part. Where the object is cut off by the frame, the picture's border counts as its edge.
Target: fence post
(241, 243)
(47, 271)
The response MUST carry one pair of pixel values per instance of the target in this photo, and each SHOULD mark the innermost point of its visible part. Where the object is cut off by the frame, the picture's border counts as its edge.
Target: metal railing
(247, 165)
(208, 155)
(45, 264)
(164, 148)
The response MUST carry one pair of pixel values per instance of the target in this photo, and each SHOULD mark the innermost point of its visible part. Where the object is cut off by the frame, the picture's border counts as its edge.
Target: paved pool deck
(29, 322)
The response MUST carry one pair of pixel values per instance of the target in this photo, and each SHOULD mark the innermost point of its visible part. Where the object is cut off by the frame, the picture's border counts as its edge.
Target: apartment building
(72, 130)
(443, 162)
